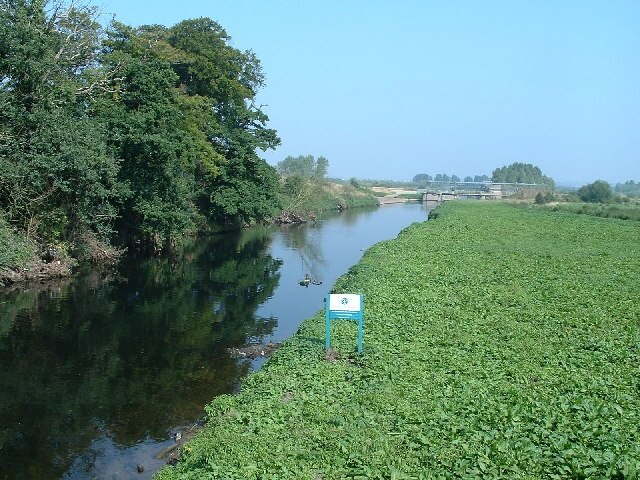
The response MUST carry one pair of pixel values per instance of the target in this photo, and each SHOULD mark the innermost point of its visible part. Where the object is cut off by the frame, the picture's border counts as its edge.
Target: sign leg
(327, 329)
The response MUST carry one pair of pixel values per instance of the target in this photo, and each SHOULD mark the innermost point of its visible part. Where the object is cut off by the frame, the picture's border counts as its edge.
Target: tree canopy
(304, 165)
(422, 178)
(57, 176)
(148, 132)
(596, 192)
(521, 173)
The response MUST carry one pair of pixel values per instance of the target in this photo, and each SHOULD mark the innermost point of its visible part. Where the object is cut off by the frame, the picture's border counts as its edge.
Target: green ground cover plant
(500, 342)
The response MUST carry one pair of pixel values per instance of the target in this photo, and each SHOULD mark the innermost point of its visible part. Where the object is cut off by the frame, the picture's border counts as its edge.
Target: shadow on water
(97, 372)
(127, 356)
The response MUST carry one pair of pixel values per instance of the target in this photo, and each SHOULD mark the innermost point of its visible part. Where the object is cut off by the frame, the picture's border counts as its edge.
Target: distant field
(623, 212)
(500, 342)
(394, 195)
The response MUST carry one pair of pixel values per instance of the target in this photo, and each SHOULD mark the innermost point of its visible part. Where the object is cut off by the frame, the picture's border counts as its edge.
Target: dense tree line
(443, 177)
(514, 173)
(630, 187)
(149, 133)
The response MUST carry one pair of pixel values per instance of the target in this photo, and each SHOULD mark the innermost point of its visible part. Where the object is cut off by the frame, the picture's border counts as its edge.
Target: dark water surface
(99, 371)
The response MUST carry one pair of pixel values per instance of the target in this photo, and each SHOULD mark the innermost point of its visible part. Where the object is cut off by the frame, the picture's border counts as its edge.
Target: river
(100, 371)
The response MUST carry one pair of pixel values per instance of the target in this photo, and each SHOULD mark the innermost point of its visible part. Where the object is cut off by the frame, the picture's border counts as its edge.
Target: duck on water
(307, 280)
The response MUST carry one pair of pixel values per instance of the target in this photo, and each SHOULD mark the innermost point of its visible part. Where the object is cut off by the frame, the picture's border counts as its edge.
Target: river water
(99, 372)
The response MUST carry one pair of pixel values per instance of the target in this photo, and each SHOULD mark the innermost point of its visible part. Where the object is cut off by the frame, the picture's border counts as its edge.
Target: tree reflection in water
(129, 356)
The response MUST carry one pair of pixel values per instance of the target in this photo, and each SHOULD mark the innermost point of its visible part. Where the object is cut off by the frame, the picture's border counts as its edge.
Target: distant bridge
(443, 191)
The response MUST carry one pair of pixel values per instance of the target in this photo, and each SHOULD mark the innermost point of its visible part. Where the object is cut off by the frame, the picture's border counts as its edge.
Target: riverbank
(311, 198)
(390, 195)
(499, 342)
(21, 260)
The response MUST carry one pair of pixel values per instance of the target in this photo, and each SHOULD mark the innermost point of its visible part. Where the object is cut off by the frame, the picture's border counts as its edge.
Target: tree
(244, 193)
(481, 178)
(521, 173)
(322, 168)
(187, 129)
(228, 80)
(455, 178)
(422, 178)
(152, 130)
(304, 165)
(468, 178)
(57, 177)
(149, 135)
(596, 192)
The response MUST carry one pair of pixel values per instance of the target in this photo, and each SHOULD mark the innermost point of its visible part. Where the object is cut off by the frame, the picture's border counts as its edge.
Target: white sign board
(346, 302)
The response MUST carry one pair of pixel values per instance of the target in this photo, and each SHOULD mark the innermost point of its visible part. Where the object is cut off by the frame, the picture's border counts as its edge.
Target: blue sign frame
(344, 311)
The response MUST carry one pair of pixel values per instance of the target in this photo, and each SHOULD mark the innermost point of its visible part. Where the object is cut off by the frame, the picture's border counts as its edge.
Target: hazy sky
(389, 89)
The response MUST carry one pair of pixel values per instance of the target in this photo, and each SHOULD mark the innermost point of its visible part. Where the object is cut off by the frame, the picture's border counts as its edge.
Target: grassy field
(500, 342)
(620, 211)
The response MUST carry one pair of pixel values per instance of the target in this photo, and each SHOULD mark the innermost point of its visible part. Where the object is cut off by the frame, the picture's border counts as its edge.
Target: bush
(542, 198)
(294, 185)
(15, 250)
(596, 192)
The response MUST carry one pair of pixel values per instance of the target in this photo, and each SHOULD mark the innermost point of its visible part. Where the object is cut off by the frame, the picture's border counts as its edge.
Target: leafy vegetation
(305, 188)
(14, 249)
(596, 192)
(500, 342)
(542, 198)
(309, 196)
(305, 166)
(521, 173)
(146, 133)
